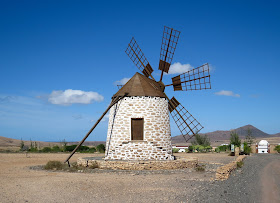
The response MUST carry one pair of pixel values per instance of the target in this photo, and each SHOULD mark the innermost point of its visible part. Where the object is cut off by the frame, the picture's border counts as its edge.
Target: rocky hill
(225, 135)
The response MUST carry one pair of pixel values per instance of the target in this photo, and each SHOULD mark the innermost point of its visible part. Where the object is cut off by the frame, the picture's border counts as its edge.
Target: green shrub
(277, 148)
(100, 148)
(247, 149)
(46, 149)
(200, 168)
(175, 150)
(54, 165)
(56, 149)
(92, 150)
(83, 148)
(70, 148)
(190, 150)
(200, 148)
(224, 148)
(239, 164)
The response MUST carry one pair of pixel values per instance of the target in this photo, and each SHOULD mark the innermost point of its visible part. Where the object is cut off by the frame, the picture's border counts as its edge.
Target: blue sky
(60, 61)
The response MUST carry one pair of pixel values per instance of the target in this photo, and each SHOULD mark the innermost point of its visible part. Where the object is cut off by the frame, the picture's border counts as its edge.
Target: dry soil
(19, 183)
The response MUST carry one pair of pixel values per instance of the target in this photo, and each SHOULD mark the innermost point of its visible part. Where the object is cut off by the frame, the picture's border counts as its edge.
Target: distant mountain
(225, 135)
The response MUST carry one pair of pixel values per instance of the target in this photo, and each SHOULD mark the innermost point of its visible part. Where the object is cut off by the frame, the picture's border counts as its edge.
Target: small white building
(181, 148)
(263, 146)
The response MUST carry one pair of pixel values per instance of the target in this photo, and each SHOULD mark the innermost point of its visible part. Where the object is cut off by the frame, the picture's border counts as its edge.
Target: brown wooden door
(137, 128)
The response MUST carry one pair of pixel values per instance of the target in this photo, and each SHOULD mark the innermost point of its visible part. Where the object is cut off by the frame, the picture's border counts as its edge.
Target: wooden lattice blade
(186, 123)
(135, 53)
(168, 46)
(195, 79)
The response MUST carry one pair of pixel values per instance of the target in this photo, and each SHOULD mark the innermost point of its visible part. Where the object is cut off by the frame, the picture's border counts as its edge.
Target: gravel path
(244, 185)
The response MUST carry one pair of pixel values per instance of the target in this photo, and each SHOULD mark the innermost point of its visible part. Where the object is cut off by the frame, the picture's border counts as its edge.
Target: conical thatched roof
(140, 85)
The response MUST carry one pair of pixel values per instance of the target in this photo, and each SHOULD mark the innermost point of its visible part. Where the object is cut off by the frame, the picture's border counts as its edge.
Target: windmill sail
(195, 79)
(137, 56)
(186, 123)
(168, 46)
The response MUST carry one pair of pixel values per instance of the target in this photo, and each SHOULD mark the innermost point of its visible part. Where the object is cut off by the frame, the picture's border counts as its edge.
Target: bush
(200, 148)
(224, 148)
(277, 148)
(190, 150)
(83, 148)
(70, 148)
(46, 149)
(92, 150)
(239, 164)
(56, 149)
(100, 148)
(200, 168)
(247, 149)
(175, 150)
(53, 165)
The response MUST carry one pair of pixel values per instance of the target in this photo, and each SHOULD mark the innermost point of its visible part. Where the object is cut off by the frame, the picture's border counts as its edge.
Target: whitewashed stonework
(156, 143)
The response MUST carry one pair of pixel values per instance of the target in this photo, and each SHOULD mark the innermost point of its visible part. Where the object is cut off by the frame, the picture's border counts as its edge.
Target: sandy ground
(19, 183)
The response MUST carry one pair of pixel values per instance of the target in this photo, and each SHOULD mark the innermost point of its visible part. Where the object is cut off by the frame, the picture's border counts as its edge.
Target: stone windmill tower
(139, 126)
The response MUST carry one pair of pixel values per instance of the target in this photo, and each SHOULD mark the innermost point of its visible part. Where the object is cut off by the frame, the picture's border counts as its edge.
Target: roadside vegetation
(245, 147)
(175, 150)
(239, 164)
(201, 143)
(63, 148)
(277, 148)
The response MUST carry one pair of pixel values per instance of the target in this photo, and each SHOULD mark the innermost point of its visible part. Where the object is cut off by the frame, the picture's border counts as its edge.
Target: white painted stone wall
(157, 136)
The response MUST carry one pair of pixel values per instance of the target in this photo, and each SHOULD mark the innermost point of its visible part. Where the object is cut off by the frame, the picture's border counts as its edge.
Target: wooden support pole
(81, 142)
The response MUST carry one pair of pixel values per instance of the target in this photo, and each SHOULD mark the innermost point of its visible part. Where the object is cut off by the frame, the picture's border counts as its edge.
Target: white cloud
(227, 93)
(70, 96)
(178, 68)
(122, 81)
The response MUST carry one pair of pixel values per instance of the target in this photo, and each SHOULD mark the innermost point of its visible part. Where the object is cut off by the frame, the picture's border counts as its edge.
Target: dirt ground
(19, 183)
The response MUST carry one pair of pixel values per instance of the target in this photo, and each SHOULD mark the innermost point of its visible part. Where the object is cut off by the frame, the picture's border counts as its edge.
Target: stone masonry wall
(139, 165)
(156, 144)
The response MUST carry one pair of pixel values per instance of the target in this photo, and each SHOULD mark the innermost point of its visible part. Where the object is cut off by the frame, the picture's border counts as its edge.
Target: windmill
(128, 137)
